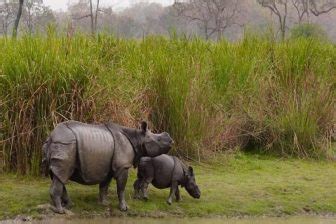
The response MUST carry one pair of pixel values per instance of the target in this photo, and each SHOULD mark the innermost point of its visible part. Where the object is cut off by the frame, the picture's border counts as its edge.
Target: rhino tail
(45, 157)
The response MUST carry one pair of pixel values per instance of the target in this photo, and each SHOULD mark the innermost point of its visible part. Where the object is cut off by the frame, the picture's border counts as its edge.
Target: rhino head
(147, 143)
(190, 184)
(154, 144)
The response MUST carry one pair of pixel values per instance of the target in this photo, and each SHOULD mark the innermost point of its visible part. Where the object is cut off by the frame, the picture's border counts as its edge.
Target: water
(267, 220)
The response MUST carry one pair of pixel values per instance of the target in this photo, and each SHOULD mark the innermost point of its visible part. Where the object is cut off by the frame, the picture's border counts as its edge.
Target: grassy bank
(212, 97)
(232, 186)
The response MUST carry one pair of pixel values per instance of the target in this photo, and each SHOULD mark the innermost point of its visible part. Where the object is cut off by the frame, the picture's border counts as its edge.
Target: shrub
(308, 30)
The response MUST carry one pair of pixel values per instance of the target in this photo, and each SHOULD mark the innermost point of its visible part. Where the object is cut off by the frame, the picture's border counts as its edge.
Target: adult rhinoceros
(94, 154)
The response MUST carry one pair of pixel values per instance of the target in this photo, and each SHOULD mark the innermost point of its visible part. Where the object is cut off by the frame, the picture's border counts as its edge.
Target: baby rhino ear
(143, 126)
(191, 171)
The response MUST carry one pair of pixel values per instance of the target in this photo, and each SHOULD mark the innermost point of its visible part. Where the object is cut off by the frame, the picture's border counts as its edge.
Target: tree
(145, 17)
(88, 9)
(303, 8)
(36, 14)
(321, 7)
(18, 17)
(280, 9)
(7, 15)
(213, 16)
(126, 27)
(316, 7)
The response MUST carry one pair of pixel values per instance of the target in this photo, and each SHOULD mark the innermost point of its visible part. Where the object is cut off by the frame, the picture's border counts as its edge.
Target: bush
(276, 97)
(309, 30)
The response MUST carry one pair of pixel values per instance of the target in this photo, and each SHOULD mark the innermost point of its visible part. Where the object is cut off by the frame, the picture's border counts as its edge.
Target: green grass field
(233, 185)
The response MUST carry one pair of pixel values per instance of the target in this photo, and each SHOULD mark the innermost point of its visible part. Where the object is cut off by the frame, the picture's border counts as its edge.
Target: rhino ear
(191, 171)
(143, 126)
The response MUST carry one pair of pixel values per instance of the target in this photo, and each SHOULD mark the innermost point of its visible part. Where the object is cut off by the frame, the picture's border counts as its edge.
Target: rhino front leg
(121, 184)
(173, 189)
(56, 192)
(103, 191)
(66, 202)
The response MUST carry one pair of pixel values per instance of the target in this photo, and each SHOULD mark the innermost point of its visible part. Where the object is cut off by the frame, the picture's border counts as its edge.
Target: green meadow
(232, 186)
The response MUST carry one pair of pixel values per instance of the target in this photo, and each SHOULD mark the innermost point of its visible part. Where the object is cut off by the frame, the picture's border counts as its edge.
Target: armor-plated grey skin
(165, 171)
(94, 154)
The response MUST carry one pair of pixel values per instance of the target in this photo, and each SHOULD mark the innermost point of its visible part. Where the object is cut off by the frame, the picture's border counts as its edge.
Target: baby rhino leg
(103, 191)
(173, 190)
(146, 174)
(137, 188)
(177, 194)
(144, 186)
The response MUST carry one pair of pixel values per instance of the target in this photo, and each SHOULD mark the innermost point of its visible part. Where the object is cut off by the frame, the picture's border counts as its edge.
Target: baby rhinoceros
(165, 171)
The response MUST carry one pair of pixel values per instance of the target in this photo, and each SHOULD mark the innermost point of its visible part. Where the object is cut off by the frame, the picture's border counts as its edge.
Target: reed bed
(273, 97)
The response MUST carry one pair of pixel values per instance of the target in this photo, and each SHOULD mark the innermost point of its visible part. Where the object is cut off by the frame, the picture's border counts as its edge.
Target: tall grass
(256, 93)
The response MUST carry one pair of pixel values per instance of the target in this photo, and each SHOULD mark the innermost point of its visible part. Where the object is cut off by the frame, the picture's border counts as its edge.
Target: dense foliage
(256, 93)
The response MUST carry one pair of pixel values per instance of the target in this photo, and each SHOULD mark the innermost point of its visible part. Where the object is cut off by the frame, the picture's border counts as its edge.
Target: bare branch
(318, 7)
(214, 16)
(80, 17)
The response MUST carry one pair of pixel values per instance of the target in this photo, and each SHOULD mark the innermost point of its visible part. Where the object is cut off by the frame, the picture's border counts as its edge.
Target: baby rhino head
(191, 185)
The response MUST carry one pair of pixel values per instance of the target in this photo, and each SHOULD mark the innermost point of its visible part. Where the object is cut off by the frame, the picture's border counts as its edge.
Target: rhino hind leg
(56, 192)
(121, 184)
(103, 191)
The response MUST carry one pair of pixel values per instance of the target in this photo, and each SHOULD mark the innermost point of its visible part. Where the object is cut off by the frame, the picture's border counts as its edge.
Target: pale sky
(117, 4)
